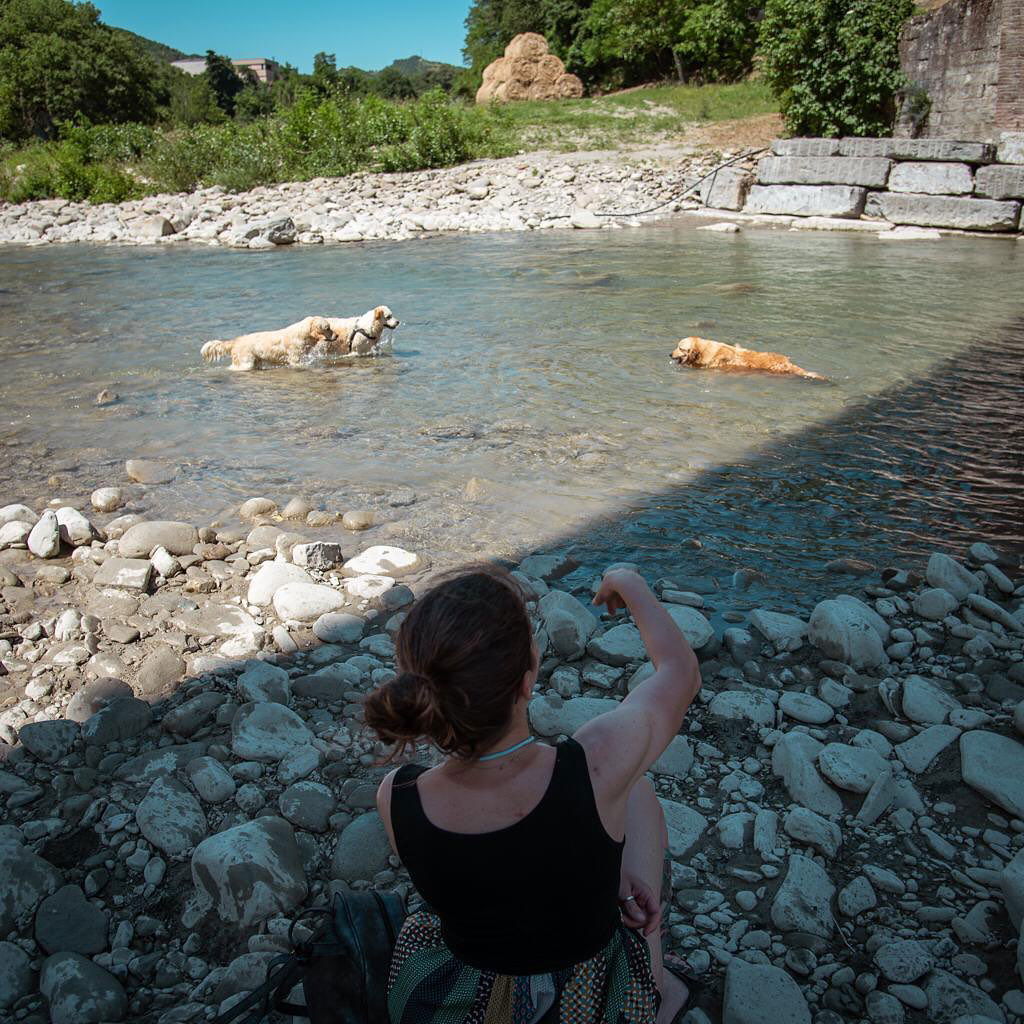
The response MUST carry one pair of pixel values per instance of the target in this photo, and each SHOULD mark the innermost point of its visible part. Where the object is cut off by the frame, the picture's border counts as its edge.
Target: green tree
(192, 101)
(58, 62)
(393, 85)
(717, 40)
(834, 64)
(325, 73)
(224, 80)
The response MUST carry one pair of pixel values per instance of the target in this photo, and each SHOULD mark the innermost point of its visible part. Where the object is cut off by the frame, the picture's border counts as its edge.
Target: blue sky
(366, 33)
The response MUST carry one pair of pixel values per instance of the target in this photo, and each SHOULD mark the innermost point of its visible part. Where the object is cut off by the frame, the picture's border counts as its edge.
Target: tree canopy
(59, 62)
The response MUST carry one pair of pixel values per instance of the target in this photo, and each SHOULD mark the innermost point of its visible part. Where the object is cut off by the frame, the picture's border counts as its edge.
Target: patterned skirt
(429, 985)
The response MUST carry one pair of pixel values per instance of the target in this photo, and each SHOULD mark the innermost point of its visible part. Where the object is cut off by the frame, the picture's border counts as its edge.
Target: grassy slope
(658, 114)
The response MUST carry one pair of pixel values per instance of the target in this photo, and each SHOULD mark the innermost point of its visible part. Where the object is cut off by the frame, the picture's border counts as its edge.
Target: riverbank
(528, 192)
(845, 804)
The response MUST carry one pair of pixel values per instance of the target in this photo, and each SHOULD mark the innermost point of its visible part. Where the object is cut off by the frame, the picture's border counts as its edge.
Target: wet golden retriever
(359, 335)
(290, 346)
(704, 354)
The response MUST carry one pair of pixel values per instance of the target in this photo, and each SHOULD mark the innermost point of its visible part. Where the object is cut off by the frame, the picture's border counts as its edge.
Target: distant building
(262, 67)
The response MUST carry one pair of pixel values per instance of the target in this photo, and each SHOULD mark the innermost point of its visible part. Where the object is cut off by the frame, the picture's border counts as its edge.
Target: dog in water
(703, 354)
(359, 335)
(290, 346)
(311, 338)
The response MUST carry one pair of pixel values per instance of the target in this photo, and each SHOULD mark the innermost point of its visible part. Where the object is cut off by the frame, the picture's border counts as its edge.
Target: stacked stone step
(932, 183)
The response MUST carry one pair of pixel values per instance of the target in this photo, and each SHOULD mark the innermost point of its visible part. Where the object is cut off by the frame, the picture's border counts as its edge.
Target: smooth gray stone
(807, 200)
(869, 172)
(954, 212)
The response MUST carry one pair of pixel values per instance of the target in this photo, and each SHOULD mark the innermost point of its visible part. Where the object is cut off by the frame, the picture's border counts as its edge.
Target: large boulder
(762, 994)
(44, 537)
(692, 624)
(552, 716)
(994, 766)
(122, 718)
(948, 574)
(170, 817)
(49, 741)
(685, 826)
(16, 975)
(843, 632)
(306, 602)
(78, 991)
(270, 577)
(363, 849)
(803, 903)
(568, 623)
(27, 879)
(250, 872)
(267, 731)
(138, 541)
(383, 560)
(743, 705)
(68, 922)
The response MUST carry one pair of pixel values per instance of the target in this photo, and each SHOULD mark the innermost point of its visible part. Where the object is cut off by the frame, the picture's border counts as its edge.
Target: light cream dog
(290, 346)
(359, 335)
(704, 354)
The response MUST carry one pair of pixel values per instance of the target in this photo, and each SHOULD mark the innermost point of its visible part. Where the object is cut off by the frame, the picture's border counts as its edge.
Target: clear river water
(529, 400)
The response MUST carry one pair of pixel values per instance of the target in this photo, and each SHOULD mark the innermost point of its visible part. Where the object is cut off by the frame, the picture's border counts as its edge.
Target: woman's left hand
(639, 905)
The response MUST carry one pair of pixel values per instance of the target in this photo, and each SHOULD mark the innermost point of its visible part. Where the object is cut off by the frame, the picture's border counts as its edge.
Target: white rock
(926, 702)
(787, 632)
(75, 528)
(44, 538)
(106, 499)
(165, 563)
(994, 766)
(749, 705)
(618, 646)
(685, 826)
(569, 624)
(793, 760)
(694, 626)
(948, 574)
(368, 587)
(383, 560)
(263, 681)
(250, 872)
(919, 751)
(677, 760)
(552, 716)
(805, 708)
(762, 994)
(17, 514)
(854, 769)
(306, 602)
(170, 817)
(803, 902)
(267, 731)
(811, 829)
(270, 577)
(856, 897)
(339, 628)
(843, 632)
(14, 534)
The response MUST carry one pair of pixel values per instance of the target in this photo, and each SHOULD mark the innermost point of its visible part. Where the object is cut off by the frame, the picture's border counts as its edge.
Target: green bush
(834, 64)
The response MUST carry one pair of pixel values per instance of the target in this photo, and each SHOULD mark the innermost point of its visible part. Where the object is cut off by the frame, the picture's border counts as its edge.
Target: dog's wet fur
(704, 354)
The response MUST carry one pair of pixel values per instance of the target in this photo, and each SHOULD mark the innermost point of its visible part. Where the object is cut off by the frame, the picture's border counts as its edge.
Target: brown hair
(461, 653)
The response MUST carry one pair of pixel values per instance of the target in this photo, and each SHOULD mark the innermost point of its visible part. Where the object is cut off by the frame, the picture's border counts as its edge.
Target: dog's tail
(214, 350)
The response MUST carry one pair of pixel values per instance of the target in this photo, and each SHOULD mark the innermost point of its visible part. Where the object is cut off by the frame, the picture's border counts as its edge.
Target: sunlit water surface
(529, 399)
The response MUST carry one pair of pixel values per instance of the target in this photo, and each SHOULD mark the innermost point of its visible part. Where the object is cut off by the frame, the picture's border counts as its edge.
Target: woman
(531, 858)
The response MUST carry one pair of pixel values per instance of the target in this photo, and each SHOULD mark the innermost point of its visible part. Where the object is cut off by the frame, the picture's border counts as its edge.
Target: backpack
(343, 967)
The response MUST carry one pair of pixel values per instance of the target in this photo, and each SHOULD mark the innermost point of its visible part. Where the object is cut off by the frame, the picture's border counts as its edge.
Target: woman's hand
(639, 905)
(617, 587)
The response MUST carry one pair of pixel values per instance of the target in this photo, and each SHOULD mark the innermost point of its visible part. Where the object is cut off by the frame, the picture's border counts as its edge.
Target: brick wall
(968, 56)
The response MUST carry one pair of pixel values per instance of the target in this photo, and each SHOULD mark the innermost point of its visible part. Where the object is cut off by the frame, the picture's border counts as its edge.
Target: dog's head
(320, 328)
(686, 351)
(382, 315)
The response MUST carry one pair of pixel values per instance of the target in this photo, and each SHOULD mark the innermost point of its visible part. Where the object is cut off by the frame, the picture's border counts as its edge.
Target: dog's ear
(380, 312)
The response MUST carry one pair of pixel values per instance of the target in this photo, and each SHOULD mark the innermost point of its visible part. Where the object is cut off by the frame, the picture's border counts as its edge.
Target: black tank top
(540, 895)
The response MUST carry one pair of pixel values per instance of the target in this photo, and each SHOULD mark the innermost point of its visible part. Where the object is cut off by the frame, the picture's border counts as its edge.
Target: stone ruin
(528, 72)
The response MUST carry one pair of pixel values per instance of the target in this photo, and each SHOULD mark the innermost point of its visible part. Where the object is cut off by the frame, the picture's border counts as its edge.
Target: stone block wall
(934, 183)
(968, 58)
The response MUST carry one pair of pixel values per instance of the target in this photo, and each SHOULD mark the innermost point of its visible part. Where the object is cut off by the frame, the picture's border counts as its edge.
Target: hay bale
(550, 69)
(514, 90)
(522, 69)
(497, 70)
(527, 71)
(569, 87)
(527, 44)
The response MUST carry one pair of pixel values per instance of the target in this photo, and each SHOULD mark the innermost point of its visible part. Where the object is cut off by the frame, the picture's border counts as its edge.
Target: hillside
(416, 65)
(158, 51)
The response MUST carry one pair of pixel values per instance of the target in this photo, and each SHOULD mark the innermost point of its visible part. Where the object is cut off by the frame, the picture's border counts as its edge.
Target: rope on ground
(674, 198)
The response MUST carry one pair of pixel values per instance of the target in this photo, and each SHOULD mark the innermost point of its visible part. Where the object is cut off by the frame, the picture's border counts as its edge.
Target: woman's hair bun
(406, 709)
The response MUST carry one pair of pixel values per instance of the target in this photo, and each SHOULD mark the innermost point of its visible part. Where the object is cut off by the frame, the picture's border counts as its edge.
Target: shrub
(834, 64)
